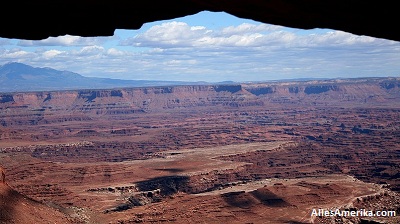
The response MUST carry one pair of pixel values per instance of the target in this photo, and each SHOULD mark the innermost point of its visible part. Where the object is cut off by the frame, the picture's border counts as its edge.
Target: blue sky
(211, 47)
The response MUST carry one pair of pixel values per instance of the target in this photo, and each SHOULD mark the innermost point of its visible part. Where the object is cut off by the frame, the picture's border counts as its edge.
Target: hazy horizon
(224, 81)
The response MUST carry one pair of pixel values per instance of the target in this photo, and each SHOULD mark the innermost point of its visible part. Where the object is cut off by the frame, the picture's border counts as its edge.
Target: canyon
(265, 152)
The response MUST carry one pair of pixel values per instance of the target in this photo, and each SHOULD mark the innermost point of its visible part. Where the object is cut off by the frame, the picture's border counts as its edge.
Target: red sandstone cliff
(59, 106)
(2, 175)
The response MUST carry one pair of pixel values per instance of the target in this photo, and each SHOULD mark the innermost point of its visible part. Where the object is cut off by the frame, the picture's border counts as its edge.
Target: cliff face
(58, 106)
(2, 175)
(19, 209)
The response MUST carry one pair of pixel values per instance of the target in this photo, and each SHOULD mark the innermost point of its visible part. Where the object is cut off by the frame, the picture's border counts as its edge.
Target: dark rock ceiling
(39, 19)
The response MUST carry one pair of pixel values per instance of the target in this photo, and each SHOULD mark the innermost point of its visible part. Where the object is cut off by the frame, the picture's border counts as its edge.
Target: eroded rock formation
(185, 149)
(2, 175)
(56, 106)
(41, 19)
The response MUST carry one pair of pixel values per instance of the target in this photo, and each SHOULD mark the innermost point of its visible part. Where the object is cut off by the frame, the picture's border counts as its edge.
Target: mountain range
(19, 77)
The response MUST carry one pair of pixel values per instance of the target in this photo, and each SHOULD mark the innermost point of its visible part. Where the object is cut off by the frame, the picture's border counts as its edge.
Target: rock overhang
(36, 20)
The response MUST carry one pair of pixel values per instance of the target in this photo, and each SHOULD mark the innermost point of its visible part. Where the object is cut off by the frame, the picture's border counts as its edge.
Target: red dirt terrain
(250, 153)
(16, 208)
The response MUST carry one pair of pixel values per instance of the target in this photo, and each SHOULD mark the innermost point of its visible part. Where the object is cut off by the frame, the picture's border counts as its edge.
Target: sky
(211, 47)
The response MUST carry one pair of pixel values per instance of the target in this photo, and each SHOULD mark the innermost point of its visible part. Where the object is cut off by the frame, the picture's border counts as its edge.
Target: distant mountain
(18, 77)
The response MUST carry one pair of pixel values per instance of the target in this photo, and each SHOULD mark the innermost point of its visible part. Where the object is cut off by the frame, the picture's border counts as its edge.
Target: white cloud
(339, 39)
(51, 54)
(51, 41)
(91, 51)
(157, 50)
(197, 28)
(179, 51)
(115, 52)
(66, 40)
(181, 35)
(174, 34)
(249, 28)
(15, 54)
(260, 37)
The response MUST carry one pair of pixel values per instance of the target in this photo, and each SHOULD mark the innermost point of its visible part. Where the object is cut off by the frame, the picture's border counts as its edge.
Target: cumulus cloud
(171, 34)
(93, 50)
(338, 39)
(178, 51)
(51, 54)
(181, 35)
(66, 40)
(15, 54)
(262, 52)
(115, 52)
(249, 28)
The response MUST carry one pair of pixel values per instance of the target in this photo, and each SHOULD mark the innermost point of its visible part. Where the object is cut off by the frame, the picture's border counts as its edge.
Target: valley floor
(233, 163)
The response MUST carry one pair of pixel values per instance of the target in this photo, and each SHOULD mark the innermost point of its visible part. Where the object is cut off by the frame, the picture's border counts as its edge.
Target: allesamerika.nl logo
(360, 212)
